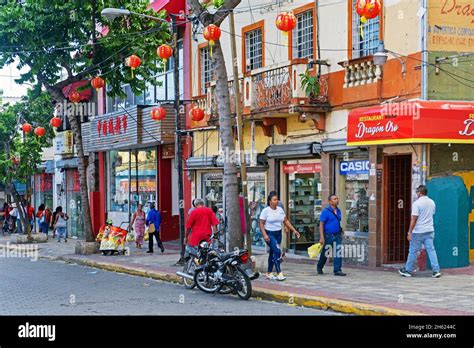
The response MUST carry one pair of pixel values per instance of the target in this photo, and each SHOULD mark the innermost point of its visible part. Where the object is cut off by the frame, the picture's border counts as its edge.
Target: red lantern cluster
(75, 97)
(286, 21)
(197, 114)
(40, 131)
(368, 9)
(164, 52)
(26, 127)
(133, 62)
(55, 122)
(97, 83)
(158, 114)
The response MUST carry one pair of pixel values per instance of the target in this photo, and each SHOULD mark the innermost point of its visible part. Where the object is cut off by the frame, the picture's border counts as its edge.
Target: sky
(7, 81)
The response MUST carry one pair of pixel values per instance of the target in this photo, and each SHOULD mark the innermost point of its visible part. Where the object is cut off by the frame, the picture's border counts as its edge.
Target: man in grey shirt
(421, 232)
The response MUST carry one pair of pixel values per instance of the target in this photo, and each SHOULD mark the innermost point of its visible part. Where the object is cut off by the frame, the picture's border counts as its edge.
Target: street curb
(316, 302)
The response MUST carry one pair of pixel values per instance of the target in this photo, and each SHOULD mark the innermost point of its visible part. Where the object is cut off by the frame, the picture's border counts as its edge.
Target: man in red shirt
(202, 222)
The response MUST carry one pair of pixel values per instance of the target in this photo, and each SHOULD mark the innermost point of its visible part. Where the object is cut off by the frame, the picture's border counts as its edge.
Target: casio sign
(354, 167)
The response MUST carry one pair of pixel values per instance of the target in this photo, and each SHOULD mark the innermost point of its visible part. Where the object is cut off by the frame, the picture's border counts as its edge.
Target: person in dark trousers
(153, 222)
(331, 236)
(421, 231)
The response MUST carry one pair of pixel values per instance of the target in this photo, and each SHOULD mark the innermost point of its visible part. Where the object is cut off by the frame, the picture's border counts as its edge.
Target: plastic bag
(146, 235)
(314, 250)
(130, 236)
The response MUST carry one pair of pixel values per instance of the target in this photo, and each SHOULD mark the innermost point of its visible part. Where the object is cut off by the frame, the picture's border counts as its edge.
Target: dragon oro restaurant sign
(412, 122)
(451, 25)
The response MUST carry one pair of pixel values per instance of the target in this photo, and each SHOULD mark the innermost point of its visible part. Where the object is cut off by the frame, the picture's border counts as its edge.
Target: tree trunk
(20, 204)
(226, 123)
(82, 166)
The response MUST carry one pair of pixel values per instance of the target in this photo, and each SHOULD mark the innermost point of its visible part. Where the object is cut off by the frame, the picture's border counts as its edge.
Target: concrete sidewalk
(362, 292)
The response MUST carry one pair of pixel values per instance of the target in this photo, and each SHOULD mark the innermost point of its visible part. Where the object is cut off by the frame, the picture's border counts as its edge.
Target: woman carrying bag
(153, 222)
(140, 221)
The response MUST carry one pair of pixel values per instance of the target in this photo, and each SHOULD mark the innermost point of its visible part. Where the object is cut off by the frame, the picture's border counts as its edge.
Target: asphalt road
(48, 287)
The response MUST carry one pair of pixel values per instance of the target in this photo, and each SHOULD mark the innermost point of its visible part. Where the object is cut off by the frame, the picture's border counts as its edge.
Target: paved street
(56, 288)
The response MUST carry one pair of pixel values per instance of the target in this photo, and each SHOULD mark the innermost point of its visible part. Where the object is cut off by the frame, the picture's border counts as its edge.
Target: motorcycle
(223, 270)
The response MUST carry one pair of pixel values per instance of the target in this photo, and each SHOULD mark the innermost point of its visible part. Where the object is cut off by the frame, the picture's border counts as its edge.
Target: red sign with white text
(306, 168)
(412, 122)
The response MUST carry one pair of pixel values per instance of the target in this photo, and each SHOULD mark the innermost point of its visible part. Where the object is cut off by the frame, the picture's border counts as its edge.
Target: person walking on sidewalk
(60, 223)
(153, 222)
(331, 236)
(140, 221)
(44, 219)
(272, 219)
(421, 232)
(202, 223)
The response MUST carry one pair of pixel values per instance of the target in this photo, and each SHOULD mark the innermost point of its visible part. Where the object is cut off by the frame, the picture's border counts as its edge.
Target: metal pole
(238, 111)
(178, 147)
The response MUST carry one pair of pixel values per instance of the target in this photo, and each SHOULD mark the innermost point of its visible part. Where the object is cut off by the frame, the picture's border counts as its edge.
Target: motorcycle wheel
(246, 289)
(189, 268)
(199, 280)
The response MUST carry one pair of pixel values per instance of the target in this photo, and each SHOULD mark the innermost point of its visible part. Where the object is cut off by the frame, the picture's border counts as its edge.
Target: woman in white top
(272, 219)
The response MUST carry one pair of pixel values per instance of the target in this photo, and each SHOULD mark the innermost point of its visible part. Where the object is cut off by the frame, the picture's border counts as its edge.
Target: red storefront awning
(412, 122)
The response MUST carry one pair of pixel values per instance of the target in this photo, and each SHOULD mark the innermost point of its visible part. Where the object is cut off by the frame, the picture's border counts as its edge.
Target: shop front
(135, 165)
(437, 153)
(300, 188)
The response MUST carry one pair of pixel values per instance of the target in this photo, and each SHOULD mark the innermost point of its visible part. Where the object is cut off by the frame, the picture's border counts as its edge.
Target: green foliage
(37, 109)
(310, 84)
(56, 37)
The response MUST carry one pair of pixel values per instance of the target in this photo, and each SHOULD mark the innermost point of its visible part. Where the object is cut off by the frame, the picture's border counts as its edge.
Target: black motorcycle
(223, 270)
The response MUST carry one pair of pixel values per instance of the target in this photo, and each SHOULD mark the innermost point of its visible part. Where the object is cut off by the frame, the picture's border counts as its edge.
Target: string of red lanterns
(97, 83)
(164, 52)
(367, 9)
(75, 97)
(40, 131)
(212, 33)
(26, 127)
(133, 62)
(197, 114)
(158, 113)
(286, 21)
(56, 122)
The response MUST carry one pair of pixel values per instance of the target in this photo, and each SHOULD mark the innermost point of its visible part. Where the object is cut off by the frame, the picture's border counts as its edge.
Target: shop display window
(304, 208)
(118, 169)
(357, 203)
(143, 176)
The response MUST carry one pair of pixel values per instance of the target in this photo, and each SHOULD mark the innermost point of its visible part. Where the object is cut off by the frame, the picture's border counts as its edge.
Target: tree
(20, 156)
(63, 42)
(226, 121)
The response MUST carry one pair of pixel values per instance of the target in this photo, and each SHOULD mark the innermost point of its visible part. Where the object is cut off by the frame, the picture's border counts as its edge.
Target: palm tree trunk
(226, 124)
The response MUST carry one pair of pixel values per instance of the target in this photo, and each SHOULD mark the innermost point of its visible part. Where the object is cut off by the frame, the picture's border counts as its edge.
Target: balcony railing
(361, 71)
(269, 88)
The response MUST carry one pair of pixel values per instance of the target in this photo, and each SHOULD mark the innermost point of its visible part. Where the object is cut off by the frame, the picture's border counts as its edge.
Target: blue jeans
(275, 250)
(332, 246)
(43, 227)
(61, 231)
(417, 240)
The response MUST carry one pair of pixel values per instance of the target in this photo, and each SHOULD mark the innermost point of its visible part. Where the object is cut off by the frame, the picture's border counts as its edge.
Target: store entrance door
(397, 210)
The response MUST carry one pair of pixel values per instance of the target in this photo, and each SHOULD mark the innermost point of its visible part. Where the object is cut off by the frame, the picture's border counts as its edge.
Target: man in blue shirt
(331, 236)
(154, 217)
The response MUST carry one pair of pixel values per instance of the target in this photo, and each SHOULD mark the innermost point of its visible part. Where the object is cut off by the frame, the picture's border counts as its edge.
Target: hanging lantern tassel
(211, 44)
(212, 33)
(363, 20)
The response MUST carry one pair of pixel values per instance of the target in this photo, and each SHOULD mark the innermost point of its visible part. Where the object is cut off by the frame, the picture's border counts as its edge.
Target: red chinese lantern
(286, 21)
(197, 114)
(15, 160)
(26, 127)
(40, 131)
(372, 9)
(133, 62)
(75, 97)
(212, 33)
(368, 9)
(98, 83)
(164, 52)
(55, 122)
(158, 113)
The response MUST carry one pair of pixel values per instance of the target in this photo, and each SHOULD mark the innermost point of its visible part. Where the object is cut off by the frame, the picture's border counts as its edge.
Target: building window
(143, 178)
(206, 68)
(303, 35)
(364, 42)
(118, 169)
(253, 49)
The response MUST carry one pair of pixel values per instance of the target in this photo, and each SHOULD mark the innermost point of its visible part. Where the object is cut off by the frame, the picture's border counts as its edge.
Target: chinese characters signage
(112, 126)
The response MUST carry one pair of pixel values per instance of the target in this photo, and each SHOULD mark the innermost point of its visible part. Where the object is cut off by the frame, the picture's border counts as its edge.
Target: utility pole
(238, 111)
(178, 147)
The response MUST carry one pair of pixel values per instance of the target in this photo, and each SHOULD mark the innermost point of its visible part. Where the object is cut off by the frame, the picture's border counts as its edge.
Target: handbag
(130, 236)
(147, 236)
(151, 228)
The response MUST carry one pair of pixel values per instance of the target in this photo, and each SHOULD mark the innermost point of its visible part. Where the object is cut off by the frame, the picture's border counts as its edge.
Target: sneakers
(340, 273)
(270, 276)
(280, 277)
(404, 273)
(436, 274)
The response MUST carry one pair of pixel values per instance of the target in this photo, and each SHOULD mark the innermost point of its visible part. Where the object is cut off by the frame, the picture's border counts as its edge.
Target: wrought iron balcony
(273, 90)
